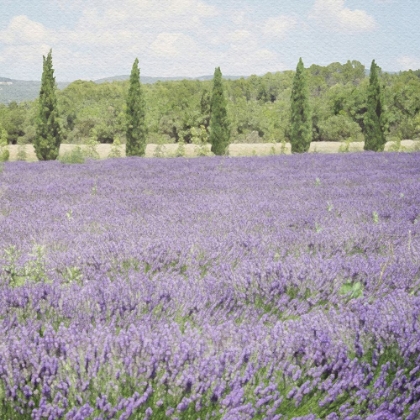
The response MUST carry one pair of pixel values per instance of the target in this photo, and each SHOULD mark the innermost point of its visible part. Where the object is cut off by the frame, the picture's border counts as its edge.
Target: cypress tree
(219, 123)
(300, 119)
(374, 119)
(48, 131)
(136, 131)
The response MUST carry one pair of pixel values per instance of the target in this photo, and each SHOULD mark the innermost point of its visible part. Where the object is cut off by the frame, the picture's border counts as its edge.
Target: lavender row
(277, 287)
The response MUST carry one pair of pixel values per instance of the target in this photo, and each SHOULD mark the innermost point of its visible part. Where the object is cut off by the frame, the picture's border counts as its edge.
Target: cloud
(22, 30)
(409, 63)
(279, 26)
(170, 37)
(172, 45)
(239, 18)
(24, 43)
(112, 12)
(240, 35)
(333, 15)
(25, 54)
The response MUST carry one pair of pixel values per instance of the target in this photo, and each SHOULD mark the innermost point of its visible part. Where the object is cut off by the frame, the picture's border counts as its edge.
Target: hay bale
(402, 146)
(172, 150)
(258, 149)
(324, 147)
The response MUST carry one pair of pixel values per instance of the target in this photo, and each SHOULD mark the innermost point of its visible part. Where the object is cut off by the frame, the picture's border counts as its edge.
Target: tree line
(338, 106)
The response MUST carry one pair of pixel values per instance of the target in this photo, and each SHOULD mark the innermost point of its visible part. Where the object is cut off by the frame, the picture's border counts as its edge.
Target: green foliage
(180, 151)
(178, 107)
(3, 136)
(115, 149)
(90, 151)
(136, 109)
(199, 137)
(374, 119)
(48, 131)
(345, 146)
(352, 290)
(74, 156)
(340, 128)
(13, 121)
(21, 154)
(4, 153)
(403, 96)
(159, 151)
(300, 119)
(205, 108)
(259, 108)
(33, 271)
(219, 122)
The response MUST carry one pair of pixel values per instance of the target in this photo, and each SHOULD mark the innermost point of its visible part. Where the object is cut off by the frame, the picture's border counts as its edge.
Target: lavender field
(278, 287)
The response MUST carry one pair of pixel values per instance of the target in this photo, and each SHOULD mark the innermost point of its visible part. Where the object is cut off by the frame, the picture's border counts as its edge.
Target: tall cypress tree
(300, 118)
(374, 119)
(48, 131)
(136, 131)
(219, 122)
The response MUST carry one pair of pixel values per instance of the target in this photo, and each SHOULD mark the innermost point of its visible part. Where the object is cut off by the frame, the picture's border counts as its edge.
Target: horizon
(172, 77)
(93, 39)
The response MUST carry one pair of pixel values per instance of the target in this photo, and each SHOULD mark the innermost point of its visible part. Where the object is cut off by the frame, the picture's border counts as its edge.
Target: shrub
(4, 155)
(76, 155)
(180, 151)
(90, 151)
(115, 149)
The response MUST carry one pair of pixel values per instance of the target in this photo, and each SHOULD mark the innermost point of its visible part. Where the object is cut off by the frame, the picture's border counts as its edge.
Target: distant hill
(148, 79)
(23, 90)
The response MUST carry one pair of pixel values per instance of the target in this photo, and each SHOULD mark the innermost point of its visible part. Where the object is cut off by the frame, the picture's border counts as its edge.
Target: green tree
(219, 122)
(4, 153)
(300, 119)
(136, 131)
(14, 121)
(374, 119)
(48, 131)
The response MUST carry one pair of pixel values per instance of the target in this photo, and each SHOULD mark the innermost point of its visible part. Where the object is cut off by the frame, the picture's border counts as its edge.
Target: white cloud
(240, 35)
(333, 15)
(409, 63)
(279, 26)
(107, 23)
(22, 30)
(254, 61)
(170, 37)
(172, 45)
(24, 43)
(25, 53)
(239, 18)
(106, 12)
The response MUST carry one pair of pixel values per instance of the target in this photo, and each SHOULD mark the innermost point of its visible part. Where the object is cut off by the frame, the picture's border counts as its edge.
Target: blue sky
(91, 39)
